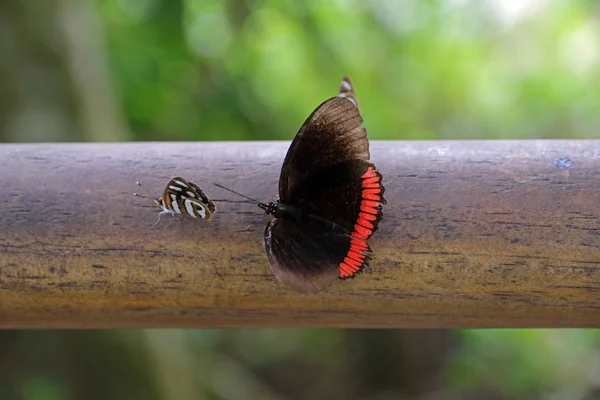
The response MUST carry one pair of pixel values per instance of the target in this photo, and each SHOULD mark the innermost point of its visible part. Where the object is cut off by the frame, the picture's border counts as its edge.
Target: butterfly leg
(161, 213)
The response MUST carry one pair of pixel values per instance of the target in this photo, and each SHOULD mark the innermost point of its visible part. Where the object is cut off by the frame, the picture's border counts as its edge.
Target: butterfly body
(330, 199)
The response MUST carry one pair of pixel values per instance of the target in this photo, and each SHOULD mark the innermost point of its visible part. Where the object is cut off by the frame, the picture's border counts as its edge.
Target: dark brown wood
(475, 234)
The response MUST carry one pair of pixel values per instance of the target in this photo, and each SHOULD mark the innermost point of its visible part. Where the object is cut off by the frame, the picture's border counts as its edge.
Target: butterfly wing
(187, 198)
(309, 252)
(330, 154)
(203, 198)
(327, 174)
(347, 91)
(330, 136)
(301, 255)
(171, 194)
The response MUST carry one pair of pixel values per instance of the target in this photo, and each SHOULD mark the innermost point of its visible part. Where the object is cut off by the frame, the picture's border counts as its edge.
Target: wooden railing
(475, 234)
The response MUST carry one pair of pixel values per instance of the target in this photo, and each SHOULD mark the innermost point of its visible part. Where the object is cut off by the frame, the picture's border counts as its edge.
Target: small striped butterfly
(186, 198)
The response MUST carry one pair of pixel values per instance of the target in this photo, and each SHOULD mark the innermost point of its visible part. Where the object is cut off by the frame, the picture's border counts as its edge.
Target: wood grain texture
(475, 234)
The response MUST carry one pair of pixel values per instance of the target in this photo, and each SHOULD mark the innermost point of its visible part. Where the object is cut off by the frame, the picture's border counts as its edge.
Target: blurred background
(169, 70)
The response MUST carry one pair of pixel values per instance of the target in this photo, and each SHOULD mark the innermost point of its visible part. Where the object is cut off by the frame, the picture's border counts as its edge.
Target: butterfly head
(160, 202)
(270, 208)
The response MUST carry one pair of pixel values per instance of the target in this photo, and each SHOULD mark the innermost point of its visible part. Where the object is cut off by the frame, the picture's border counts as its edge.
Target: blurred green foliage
(254, 70)
(216, 70)
(269, 364)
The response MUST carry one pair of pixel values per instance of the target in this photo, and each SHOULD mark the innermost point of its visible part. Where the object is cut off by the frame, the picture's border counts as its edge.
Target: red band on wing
(365, 224)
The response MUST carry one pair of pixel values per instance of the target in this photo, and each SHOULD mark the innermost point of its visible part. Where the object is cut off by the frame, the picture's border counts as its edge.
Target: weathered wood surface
(475, 234)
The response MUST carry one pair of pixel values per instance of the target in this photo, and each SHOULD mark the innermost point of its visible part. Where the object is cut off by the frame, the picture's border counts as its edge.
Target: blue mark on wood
(563, 163)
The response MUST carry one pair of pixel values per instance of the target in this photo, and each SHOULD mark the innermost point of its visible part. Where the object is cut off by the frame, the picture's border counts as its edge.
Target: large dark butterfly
(330, 199)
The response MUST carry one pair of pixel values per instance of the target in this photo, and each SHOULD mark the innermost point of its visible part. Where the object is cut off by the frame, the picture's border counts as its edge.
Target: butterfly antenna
(232, 201)
(239, 194)
(143, 197)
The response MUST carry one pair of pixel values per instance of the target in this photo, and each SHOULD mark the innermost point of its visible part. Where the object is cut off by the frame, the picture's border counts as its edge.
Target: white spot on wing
(201, 210)
(194, 205)
(189, 207)
(174, 204)
(346, 86)
(177, 188)
(180, 183)
(191, 194)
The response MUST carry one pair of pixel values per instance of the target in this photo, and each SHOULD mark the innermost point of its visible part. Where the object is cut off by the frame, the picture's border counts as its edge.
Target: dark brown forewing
(336, 193)
(331, 135)
(303, 257)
